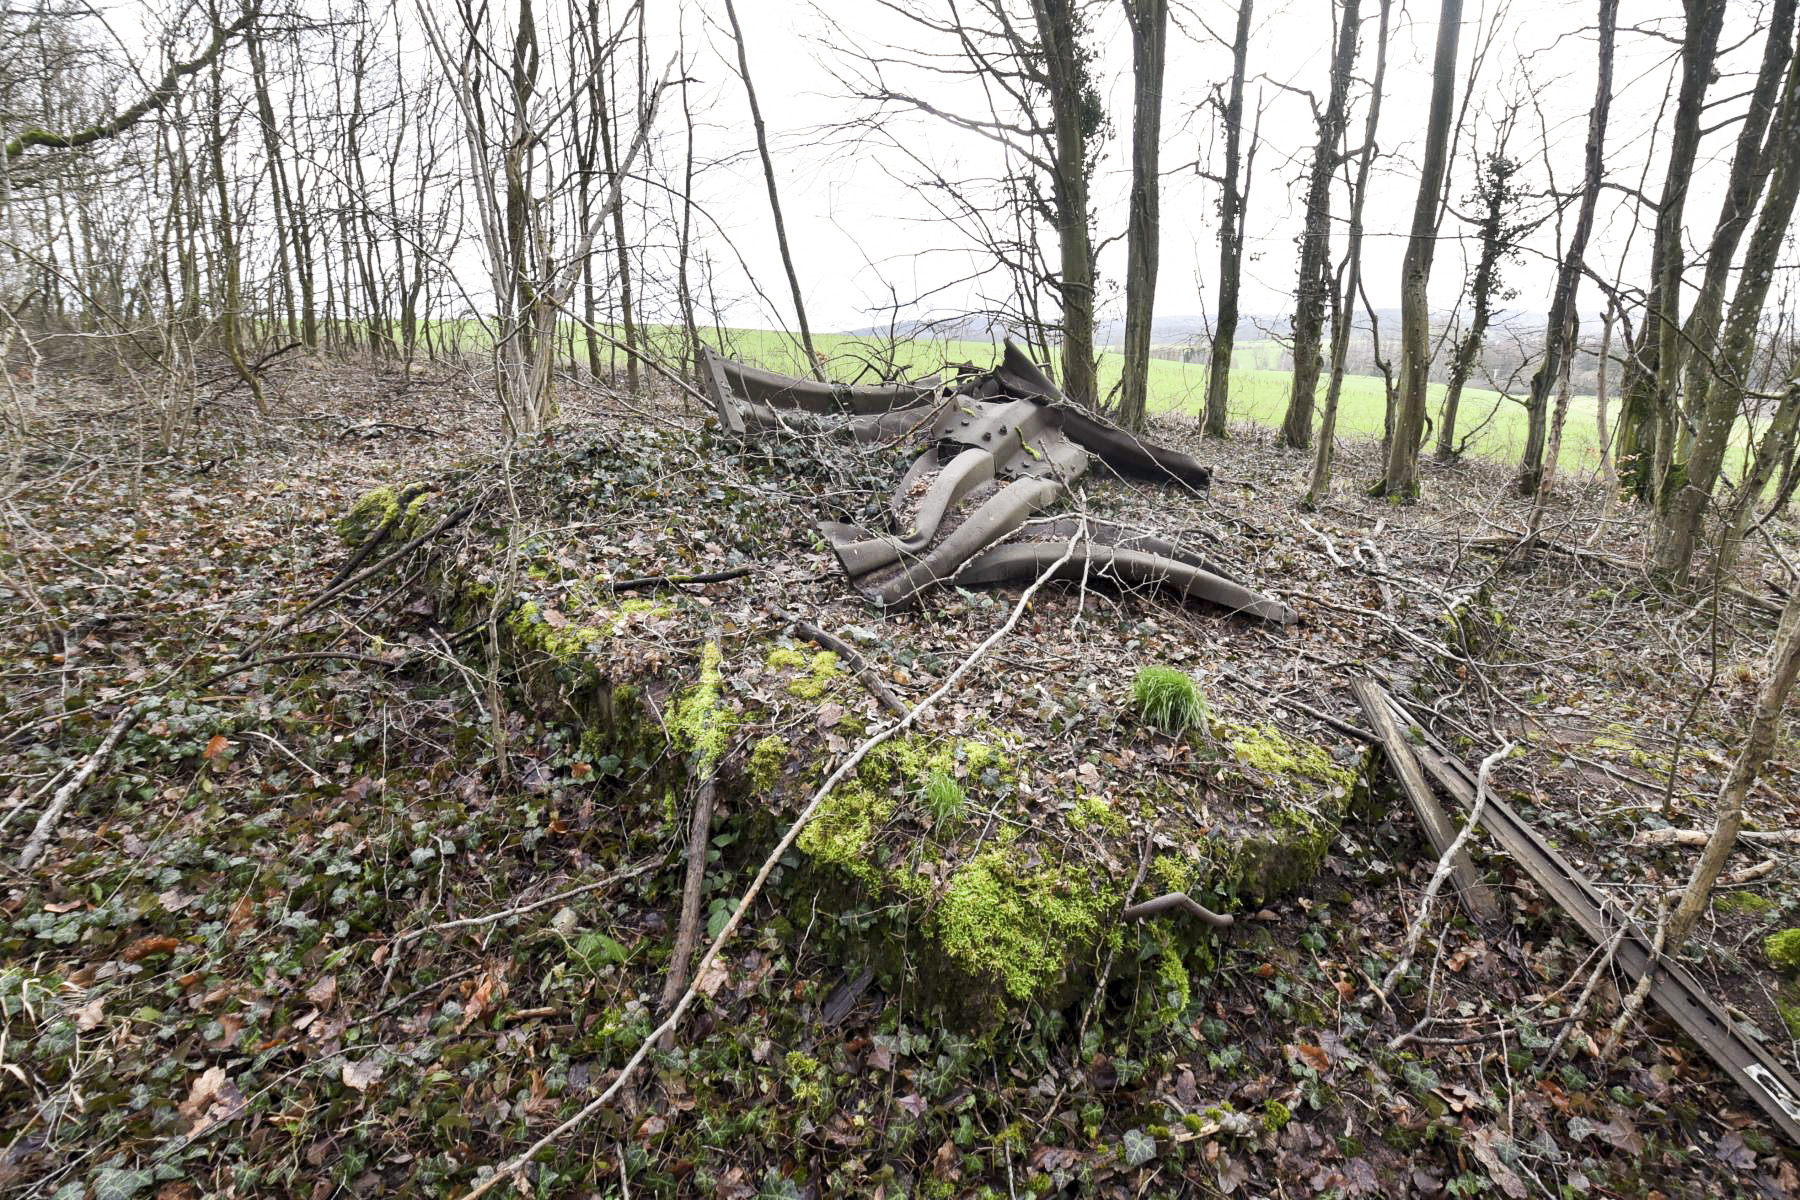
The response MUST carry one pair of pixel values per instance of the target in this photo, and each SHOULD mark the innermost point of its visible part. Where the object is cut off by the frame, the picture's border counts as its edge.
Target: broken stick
(46, 826)
(687, 932)
(1177, 902)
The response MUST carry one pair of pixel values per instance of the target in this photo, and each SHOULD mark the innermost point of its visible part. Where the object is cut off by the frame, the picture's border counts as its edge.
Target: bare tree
(1149, 23)
(1679, 520)
(1647, 391)
(1559, 330)
(1351, 274)
(1402, 475)
(1232, 215)
(768, 165)
(1313, 287)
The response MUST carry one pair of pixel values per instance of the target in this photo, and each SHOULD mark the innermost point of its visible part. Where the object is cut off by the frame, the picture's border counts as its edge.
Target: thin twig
(1438, 876)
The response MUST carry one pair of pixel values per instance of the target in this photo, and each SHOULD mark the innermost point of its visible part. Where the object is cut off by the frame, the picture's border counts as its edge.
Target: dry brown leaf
(144, 947)
(322, 993)
(89, 1015)
(361, 1075)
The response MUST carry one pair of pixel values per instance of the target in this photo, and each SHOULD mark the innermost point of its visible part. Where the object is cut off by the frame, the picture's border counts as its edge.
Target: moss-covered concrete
(1007, 898)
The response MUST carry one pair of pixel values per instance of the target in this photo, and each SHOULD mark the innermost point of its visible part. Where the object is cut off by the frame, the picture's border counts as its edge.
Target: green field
(1259, 393)
(1259, 390)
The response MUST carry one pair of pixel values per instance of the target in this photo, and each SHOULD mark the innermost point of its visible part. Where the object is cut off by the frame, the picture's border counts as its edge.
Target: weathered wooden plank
(1475, 896)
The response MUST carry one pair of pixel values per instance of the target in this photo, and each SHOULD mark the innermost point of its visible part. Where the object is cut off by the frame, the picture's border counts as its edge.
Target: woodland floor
(203, 990)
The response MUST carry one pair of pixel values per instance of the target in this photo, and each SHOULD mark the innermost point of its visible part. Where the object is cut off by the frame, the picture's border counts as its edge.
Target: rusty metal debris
(997, 449)
(1675, 991)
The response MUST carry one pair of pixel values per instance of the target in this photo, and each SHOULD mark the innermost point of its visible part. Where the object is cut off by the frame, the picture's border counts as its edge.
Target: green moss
(630, 609)
(1269, 750)
(700, 723)
(1783, 949)
(786, 658)
(980, 756)
(1276, 1115)
(1091, 811)
(1787, 1005)
(1746, 903)
(1173, 981)
(1020, 926)
(1176, 874)
(843, 828)
(1168, 700)
(567, 643)
(817, 672)
(373, 510)
(765, 761)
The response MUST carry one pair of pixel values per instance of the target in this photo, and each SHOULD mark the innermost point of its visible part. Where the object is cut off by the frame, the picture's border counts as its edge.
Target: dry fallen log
(687, 931)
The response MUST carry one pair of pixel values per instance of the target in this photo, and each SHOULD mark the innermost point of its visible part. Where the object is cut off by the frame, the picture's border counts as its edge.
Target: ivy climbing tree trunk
(1312, 288)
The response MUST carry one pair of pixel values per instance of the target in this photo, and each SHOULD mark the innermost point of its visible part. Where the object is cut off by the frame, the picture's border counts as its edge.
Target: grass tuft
(1168, 700)
(944, 797)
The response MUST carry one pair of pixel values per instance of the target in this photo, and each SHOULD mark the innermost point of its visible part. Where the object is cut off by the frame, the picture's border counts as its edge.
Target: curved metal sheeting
(1008, 444)
(1023, 561)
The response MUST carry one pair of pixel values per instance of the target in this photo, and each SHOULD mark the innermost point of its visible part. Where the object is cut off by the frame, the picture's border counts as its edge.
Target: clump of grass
(944, 797)
(1168, 700)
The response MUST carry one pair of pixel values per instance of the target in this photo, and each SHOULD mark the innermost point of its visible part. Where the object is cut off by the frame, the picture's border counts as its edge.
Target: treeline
(520, 178)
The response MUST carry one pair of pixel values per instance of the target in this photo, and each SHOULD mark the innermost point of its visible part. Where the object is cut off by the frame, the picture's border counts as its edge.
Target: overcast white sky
(857, 225)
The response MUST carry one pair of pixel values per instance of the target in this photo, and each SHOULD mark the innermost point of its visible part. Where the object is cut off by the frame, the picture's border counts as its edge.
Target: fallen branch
(1697, 837)
(518, 1162)
(631, 872)
(1177, 902)
(870, 677)
(626, 585)
(687, 932)
(46, 826)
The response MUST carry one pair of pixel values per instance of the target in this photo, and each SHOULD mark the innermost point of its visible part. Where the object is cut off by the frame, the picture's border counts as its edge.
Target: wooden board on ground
(1476, 897)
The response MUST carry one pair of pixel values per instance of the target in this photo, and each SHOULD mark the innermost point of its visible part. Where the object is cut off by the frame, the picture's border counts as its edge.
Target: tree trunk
(1341, 317)
(1497, 194)
(1074, 115)
(1759, 743)
(1402, 475)
(1678, 522)
(1601, 371)
(1149, 21)
(1751, 163)
(1647, 391)
(781, 238)
(1568, 273)
(627, 317)
(1312, 288)
(1231, 236)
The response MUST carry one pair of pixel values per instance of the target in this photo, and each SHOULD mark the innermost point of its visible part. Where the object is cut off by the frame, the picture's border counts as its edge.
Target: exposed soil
(219, 979)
